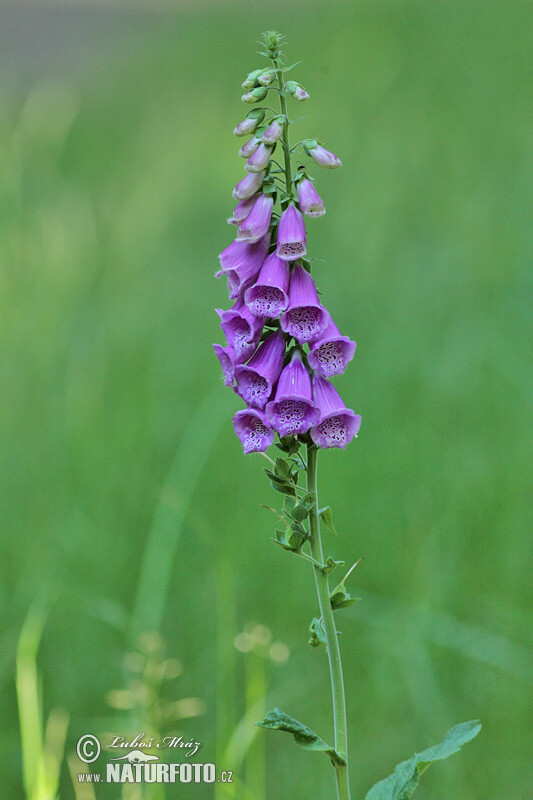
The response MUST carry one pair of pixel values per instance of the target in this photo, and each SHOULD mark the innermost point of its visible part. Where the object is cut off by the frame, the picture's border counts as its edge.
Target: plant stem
(330, 630)
(285, 136)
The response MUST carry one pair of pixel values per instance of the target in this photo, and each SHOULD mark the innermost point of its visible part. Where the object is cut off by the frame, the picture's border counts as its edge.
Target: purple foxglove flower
(250, 122)
(241, 262)
(249, 185)
(243, 331)
(251, 427)
(293, 410)
(256, 224)
(297, 91)
(274, 131)
(292, 241)
(310, 201)
(256, 379)
(241, 210)
(331, 352)
(268, 296)
(259, 159)
(321, 155)
(251, 79)
(337, 425)
(226, 357)
(250, 147)
(255, 95)
(305, 317)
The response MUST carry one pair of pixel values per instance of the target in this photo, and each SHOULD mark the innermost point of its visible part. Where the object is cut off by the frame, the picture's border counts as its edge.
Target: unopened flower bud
(297, 91)
(251, 79)
(250, 122)
(311, 204)
(274, 131)
(250, 146)
(255, 95)
(321, 155)
(259, 159)
(266, 78)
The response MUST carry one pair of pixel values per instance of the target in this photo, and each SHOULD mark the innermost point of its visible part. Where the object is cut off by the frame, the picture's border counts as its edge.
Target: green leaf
(402, 783)
(299, 512)
(331, 564)
(282, 468)
(317, 636)
(340, 597)
(284, 488)
(327, 519)
(290, 540)
(277, 720)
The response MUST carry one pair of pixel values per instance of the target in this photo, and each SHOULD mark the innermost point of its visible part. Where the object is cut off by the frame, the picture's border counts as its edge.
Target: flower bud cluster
(282, 344)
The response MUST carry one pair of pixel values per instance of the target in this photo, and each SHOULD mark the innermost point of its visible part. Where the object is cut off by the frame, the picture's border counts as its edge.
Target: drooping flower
(259, 159)
(252, 429)
(243, 331)
(250, 146)
(226, 357)
(256, 379)
(337, 425)
(293, 410)
(305, 317)
(250, 122)
(241, 262)
(310, 201)
(255, 95)
(297, 91)
(256, 224)
(249, 185)
(241, 210)
(330, 353)
(274, 131)
(292, 241)
(268, 296)
(321, 155)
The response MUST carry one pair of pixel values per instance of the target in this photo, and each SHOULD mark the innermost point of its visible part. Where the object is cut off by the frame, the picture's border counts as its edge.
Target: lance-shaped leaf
(402, 783)
(277, 720)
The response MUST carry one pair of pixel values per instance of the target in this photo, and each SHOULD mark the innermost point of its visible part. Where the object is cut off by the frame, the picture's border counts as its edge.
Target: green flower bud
(251, 79)
(267, 77)
(255, 95)
(297, 91)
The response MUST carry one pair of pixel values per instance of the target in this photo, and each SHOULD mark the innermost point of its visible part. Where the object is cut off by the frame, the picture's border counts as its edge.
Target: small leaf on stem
(277, 720)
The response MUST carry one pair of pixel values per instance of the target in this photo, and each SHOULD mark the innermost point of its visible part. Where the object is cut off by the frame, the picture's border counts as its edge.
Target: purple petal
(241, 263)
(256, 379)
(249, 185)
(242, 329)
(293, 410)
(268, 297)
(251, 427)
(256, 224)
(241, 210)
(337, 425)
(310, 201)
(291, 235)
(226, 357)
(330, 353)
(305, 317)
(259, 159)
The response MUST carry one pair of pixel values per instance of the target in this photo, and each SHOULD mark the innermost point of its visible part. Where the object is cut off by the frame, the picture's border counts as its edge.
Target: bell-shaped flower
(241, 262)
(321, 155)
(268, 296)
(330, 353)
(259, 159)
(249, 185)
(241, 210)
(305, 317)
(257, 223)
(274, 131)
(293, 411)
(337, 425)
(250, 122)
(251, 427)
(250, 146)
(292, 242)
(243, 331)
(226, 357)
(310, 201)
(256, 379)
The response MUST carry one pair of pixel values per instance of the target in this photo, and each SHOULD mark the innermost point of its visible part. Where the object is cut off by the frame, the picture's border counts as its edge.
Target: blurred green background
(128, 506)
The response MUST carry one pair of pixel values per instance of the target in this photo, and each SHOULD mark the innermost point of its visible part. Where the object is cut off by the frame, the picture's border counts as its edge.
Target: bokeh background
(140, 589)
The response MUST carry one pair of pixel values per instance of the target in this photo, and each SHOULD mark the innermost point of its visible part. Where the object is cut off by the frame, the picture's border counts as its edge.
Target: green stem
(330, 630)
(285, 136)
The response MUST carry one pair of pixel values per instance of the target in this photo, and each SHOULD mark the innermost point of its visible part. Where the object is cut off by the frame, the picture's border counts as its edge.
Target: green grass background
(121, 473)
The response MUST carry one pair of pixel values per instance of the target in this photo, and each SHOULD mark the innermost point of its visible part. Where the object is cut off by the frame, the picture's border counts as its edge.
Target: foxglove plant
(283, 347)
